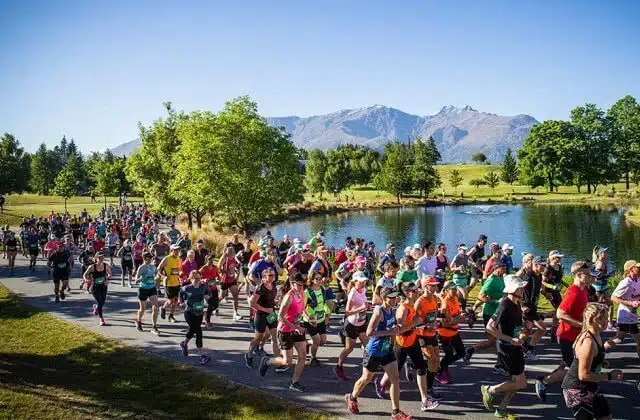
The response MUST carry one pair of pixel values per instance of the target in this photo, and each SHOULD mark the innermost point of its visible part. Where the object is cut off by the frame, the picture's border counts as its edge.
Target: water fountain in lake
(485, 210)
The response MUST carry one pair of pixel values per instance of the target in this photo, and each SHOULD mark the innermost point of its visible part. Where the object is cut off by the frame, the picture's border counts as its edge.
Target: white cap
(407, 250)
(507, 246)
(513, 283)
(296, 241)
(417, 246)
(359, 276)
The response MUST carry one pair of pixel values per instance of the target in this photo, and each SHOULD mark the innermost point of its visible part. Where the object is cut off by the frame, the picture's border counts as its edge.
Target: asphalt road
(228, 341)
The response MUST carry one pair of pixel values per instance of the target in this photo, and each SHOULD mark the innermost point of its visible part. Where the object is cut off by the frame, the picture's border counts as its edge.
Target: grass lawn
(24, 205)
(52, 369)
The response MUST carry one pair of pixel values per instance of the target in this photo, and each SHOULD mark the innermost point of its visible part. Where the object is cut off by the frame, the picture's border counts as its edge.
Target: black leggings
(414, 353)
(453, 350)
(100, 295)
(212, 303)
(195, 327)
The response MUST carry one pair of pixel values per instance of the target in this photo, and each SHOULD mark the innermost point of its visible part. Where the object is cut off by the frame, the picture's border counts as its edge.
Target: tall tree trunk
(550, 181)
(588, 188)
(105, 202)
(189, 220)
(65, 205)
(626, 179)
(398, 198)
(199, 214)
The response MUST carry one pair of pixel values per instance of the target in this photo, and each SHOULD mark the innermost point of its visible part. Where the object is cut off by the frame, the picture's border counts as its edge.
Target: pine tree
(509, 169)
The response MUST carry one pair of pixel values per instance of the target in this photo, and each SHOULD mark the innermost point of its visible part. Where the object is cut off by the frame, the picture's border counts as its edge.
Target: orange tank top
(407, 338)
(452, 308)
(427, 311)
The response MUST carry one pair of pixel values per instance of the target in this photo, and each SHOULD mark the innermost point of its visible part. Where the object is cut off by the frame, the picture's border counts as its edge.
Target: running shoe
(499, 370)
(62, 294)
(281, 369)
(429, 404)
(441, 378)
(468, 354)
(315, 362)
(541, 390)
(379, 388)
(163, 313)
(504, 414)
(471, 318)
(155, 331)
(296, 386)
(237, 317)
(139, 326)
(130, 285)
(216, 312)
(339, 372)
(431, 393)
(57, 299)
(172, 318)
(208, 325)
(400, 416)
(248, 360)
(408, 373)
(204, 359)
(352, 405)
(102, 323)
(264, 366)
(95, 309)
(185, 348)
(487, 397)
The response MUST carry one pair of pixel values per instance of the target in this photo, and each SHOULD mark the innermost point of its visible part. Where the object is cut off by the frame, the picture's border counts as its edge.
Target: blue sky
(93, 69)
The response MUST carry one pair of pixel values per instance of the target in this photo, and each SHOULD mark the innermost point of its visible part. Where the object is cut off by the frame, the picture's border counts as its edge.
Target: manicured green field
(52, 369)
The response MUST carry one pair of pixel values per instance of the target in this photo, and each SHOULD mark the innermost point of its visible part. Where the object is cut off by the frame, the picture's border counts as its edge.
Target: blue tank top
(147, 277)
(381, 346)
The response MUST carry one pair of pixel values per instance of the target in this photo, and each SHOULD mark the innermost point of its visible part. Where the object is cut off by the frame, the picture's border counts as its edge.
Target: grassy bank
(52, 369)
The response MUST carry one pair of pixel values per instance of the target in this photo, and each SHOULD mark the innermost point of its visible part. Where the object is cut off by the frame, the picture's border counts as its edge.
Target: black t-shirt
(508, 318)
(303, 266)
(284, 247)
(237, 247)
(267, 298)
(58, 230)
(201, 256)
(552, 275)
(60, 262)
(532, 290)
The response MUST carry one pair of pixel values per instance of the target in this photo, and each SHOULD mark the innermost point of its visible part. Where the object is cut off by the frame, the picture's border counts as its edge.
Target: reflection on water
(573, 229)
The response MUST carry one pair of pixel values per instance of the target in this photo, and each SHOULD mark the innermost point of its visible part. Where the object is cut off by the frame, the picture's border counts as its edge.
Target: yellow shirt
(172, 270)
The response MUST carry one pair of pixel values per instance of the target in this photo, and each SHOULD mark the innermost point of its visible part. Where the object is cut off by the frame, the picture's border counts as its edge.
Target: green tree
(549, 153)
(42, 170)
(315, 171)
(624, 118)
(509, 168)
(14, 174)
(395, 177)
(105, 176)
(479, 158)
(455, 179)
(492, 179)
(68, 180)
(477, 182)
(337, 176)
(425, 177)
(433, 149)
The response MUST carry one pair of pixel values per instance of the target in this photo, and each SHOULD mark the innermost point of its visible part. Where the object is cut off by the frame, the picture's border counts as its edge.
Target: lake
(537, 228)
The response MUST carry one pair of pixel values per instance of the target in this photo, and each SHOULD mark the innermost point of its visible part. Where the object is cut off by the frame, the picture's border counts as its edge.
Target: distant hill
(459, 132)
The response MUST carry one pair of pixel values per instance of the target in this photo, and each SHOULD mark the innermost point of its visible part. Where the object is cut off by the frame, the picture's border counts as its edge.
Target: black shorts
(512, 358)
(428, 341)
(554, 297)
(144, 294)
(628, 328)
(590, 408)
(373, 363)
(566, 349)
(127, 266)
(112, 251)
(320, 328)
(261, 324)
(173, 291)
(57, 278)
(34, 252)
(288, 339)
(412, 352)
(225, 286)
(485, 319)
(354, 331)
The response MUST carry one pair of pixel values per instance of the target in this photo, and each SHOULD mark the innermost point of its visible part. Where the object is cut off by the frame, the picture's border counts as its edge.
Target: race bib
(175, 271)
(272, 317)
(62, 265)
(319, 315)
(127, 257)
(198, 306)
(99, 280)
(516, 332)
(386, 346)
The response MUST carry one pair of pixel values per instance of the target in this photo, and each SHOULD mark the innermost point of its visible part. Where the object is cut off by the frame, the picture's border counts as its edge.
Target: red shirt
(573, 303)
(488, 267)
(210, 273)
(255, 257)
(98, 245)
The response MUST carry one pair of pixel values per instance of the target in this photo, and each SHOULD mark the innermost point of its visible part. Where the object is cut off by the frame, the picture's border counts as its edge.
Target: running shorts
(354, 331)
(288, 339)
(261, 323)
(512, 358)
(428, 341)
(374, 363)
(144, 294)
(127, 267)
(586, 405)
(628, 328)
(320, 328)
(34, 252)
(173, 291)
(225, 286)
(532, 315)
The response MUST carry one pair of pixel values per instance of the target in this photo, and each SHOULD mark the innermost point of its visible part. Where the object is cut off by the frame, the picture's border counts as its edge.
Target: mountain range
(458, 131)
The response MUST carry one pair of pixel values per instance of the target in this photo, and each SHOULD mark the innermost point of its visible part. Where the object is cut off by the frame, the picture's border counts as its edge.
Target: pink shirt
(294, 311)
(357, 299)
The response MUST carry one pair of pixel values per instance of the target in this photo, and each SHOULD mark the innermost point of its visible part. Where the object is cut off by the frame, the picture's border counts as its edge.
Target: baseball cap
(430, 280)
(539, 260)
(390, 245)
(507, 246)
(463, 247)
(482, 237)
(360, 259)
(555, 254)
(494, 246)
(630, 264)
(417, 246)
(407, 250)
(200, 241)
(360, 276)
(174, 247)
(306, 247)
(389, 292)
(449, 285)
(513, 283)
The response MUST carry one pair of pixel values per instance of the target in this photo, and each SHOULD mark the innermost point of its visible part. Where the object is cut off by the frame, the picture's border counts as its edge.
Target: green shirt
(407, 277)
(493, 288)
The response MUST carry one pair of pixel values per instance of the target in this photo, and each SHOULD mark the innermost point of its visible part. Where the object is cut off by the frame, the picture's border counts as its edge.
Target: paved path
(228, 342)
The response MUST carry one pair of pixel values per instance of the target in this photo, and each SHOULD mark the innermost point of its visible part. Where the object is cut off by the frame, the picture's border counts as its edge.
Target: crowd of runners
(404, 309)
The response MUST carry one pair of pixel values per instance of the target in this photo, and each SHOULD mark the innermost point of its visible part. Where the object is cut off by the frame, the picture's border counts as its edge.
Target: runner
(146, 277)
(601, 284)
(389, 255)
(506, 258)
(161, 248)
(263, 301)
(427, 263)
(531, 272)
(126, 262)
(316, 314)
(201, 253)
(59, 262)
(426, 307)
(229, 268)
(192, 298)
(211, 275)
(580, 385)
(33, 245)
(11, 248)
(290, 333)
(476, 254)
(506, 325)
(552, 286)
(569, 315)
(449, 332)
(97, 277)
(188, 265)
(355, 327)
(408, 274)
(378, 353)
(111, 242)
(169, 270)
(627, 296)
(407, 344)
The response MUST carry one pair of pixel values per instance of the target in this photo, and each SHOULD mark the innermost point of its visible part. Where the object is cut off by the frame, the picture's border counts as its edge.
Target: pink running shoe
(95, 309)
